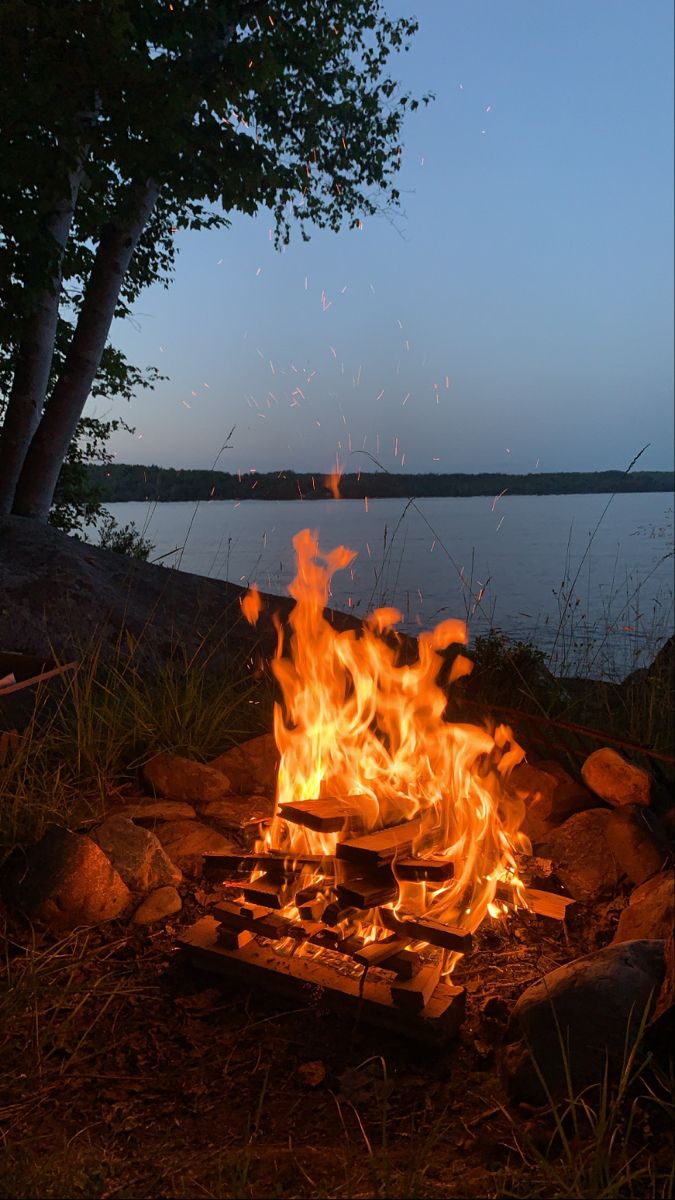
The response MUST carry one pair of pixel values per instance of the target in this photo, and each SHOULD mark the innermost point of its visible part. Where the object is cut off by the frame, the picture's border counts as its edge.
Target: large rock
(251, 767)
(179, 778)
(651, 911)
(615, 779)
(63, 881)
(551, 796)
(186, 841)
(159, 904)
(592, 1007)
(149, 812)
(582, 856)
(638, 842)
(137, 854)
(236, 811)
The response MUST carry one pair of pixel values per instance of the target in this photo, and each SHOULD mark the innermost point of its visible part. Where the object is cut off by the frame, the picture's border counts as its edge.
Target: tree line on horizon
(124, 481)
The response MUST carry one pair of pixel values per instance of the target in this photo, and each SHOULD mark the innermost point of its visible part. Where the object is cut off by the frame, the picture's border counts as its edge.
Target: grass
(118, 1079)
(112, 716)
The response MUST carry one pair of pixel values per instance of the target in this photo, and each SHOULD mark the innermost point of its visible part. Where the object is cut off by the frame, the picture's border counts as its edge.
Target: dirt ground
(124, 1073)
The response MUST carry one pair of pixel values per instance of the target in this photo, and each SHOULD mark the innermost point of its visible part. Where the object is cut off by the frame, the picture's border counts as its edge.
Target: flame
(251, 604)
(332, 481)
(356, 720)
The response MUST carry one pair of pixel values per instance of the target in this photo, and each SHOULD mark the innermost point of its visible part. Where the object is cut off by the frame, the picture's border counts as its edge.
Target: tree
(164, 116)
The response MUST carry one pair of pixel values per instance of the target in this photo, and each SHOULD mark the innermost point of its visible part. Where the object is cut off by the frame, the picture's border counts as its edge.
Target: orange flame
(251, 604)
(356, 721)
(332, 481)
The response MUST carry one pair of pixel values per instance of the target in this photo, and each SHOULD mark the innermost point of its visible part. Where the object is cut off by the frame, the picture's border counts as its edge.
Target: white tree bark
(50, 442)
(35, 352)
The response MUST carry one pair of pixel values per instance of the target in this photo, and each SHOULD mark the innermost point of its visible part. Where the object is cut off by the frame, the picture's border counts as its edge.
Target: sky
(516, 315)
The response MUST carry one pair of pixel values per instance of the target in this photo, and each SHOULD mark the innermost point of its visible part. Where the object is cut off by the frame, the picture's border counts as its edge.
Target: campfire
(395, 833)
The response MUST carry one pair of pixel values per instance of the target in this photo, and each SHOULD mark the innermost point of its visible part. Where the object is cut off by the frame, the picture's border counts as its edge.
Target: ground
(126, 1074)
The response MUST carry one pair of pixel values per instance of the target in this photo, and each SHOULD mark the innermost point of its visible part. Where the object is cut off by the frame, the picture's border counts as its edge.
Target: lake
(531, 566)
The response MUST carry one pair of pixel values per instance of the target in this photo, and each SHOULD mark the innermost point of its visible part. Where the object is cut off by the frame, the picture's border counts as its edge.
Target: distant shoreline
(117, 482)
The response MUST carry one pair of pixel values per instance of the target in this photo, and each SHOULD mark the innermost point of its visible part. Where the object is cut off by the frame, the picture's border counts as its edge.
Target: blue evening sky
(516, 315)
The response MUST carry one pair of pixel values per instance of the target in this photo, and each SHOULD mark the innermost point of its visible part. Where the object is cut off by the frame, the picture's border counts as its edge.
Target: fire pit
(395, 833)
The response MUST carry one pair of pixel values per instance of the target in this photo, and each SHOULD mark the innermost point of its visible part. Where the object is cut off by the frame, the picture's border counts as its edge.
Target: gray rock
(179, 778)
(651, 911)
(582, 856)
(159, 904)
(186, 841)
(63, 881)
(137, 854)
(615, 779)
(593, 1007)
(251, 767)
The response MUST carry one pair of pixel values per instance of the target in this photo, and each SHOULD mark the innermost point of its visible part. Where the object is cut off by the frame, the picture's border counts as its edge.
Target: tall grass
(112, 716)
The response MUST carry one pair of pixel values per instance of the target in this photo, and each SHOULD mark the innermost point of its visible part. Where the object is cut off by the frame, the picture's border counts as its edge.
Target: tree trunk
(35, 489)
(35, 352)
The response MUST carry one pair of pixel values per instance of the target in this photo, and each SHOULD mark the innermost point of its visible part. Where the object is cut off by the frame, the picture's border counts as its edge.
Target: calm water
(510, 563)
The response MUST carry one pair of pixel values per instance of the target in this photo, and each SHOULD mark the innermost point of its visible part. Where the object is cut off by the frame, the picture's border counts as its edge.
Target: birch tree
(146, 117)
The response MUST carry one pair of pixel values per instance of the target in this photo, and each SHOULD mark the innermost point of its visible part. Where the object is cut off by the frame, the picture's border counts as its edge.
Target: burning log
(391, 955)
(434, 869)
(425, 929)
(328, 815)
(302, 975)
(543, 903)
(377, 849)
(218, 864)
(368, 890)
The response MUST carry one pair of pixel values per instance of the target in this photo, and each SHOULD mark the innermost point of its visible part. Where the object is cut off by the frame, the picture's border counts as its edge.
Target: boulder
(164, 902)
(179, 778)
(582, 857)
(651, 911)
(615, 779)
(236, 811)
(638, 842)
(137, 854)
(551, 796)
(186, 841)
(252, 766)
(592, 1007)
(149, 812)
(63, 881)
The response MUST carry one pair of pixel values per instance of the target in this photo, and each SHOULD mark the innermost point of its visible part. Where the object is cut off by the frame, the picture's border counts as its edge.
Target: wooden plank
(425, 929)
(376, 849)
(258, 920)
(267, 890)
(375, 953)
(217, 864)
(367, 890)
(539, 901)
(434, 869)
(331, 814)
(412, 995)
(233, 940)
(300, 978)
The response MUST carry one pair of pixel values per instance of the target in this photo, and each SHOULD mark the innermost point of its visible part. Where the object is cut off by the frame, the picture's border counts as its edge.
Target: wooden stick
(425, 929)
(301, 978)
(377, 849)
(330, 814)
(544, 904)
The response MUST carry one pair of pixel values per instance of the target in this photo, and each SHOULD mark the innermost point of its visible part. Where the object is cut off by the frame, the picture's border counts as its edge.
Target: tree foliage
(127, 121)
